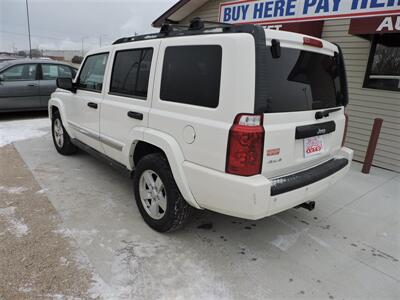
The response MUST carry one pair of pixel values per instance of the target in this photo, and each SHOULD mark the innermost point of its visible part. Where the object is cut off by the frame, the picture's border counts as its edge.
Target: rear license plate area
(313, 145)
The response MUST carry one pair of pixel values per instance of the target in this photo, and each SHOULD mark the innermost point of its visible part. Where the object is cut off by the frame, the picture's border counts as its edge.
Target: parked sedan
(27, 84)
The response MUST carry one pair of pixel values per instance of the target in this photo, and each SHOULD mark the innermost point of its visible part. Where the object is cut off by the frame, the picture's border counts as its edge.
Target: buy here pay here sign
(273, 11)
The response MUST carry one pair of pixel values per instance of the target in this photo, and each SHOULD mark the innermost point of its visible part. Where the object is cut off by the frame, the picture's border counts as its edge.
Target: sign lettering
(389, 25)
(283, 11)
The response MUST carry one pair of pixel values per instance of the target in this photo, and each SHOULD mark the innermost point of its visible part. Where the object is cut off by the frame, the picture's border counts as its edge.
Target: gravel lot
(347, 248)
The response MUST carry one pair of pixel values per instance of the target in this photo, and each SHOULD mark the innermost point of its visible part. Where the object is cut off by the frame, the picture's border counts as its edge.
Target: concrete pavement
(347, 248)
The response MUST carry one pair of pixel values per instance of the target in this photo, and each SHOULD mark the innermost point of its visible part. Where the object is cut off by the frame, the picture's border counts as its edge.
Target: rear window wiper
(325, 113)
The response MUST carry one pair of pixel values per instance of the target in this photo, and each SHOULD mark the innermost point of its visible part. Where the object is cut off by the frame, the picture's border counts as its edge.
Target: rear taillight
(245, 145)
(312, 42)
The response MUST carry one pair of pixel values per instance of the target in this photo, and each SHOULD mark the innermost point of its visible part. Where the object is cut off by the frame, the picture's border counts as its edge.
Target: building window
(130, 76)
(192, 75)
(383, 71)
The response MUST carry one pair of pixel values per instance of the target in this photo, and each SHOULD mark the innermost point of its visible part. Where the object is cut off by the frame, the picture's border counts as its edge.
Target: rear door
(127, 102)
(19, 87)
(304, 118)
(47, 82)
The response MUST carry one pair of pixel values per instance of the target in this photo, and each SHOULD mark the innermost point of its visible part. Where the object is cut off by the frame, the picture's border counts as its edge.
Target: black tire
(177, 210)
(66, 147)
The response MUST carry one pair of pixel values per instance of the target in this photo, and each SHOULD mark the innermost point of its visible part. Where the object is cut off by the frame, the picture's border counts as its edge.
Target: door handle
(31, 84)
(92, 105)
(135, 115)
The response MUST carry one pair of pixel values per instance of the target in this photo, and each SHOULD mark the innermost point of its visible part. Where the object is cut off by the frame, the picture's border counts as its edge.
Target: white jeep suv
(232, 118)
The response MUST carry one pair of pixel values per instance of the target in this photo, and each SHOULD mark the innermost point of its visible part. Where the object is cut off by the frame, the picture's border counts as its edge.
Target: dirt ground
(37, 258)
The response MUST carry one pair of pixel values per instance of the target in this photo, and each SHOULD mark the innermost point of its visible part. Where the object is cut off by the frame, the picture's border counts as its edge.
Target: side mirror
(66, 84)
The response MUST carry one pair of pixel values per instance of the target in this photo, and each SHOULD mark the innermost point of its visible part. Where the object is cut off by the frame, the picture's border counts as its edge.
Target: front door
(83, 107)
(19, 88)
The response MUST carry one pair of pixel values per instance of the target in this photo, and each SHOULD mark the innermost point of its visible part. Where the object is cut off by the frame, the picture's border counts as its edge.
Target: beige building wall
(365, 104)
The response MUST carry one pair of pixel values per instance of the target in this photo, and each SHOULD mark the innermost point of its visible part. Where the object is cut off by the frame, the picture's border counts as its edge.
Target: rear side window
(192, 75)
(91, 76)
(302, 80)
(131, 71)
(51, 72)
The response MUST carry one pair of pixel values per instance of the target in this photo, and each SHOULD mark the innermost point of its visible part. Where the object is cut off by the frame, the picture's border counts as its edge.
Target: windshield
(5, 63)
(302, 80)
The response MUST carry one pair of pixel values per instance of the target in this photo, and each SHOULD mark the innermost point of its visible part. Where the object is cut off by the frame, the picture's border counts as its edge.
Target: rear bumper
(257, 197)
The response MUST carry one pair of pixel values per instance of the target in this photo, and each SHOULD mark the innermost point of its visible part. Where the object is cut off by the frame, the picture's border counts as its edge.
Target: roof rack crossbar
(197, 26)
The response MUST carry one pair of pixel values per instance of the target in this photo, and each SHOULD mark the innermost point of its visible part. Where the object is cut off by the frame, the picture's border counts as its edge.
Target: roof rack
(196, 26)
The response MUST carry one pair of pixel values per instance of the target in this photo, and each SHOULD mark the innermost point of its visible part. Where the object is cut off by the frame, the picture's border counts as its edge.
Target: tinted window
(91, 76)
(51, 72)
(302, 80)
(383, 70)
(192, 75)
(131, 72)
(19, 72)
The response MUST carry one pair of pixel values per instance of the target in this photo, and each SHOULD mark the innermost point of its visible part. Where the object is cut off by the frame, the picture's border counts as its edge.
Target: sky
(63, 24)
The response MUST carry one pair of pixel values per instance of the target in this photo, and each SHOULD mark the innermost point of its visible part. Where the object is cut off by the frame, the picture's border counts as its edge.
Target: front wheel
(61, 139)
(158, 198)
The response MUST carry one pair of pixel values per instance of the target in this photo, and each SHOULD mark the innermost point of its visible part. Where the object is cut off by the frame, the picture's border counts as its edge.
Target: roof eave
(179, 11)
(161, 19)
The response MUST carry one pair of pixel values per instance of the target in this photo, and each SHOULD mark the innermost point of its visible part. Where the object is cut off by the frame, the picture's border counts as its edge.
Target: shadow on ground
(24, 115)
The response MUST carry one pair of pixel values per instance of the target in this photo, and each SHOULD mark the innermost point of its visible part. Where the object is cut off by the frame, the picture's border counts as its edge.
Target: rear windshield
(301, 80)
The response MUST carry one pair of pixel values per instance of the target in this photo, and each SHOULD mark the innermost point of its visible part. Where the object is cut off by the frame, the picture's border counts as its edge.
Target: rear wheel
(61, 139)
(158, 198)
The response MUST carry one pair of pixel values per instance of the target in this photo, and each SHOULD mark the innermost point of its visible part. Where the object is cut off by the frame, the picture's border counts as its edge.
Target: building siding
(365, 104)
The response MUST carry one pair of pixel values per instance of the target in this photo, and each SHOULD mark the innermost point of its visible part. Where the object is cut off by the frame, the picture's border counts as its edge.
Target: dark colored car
(27, 84)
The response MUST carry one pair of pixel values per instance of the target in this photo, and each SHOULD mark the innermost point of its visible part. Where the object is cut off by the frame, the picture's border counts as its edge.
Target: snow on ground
(16, 225)
(13, 189)
(12, 131)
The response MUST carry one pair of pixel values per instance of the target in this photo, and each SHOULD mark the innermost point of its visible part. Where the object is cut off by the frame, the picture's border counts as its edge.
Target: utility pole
(82, 45)
(29, 29)
(101, 39)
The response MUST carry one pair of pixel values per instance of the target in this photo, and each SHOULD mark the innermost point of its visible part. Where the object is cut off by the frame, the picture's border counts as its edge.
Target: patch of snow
(12, 131)
(84, 236)
(319, 241)
(13, 189)
(64, 261)
(285, 241)
(159, 269)
(42, 191)
(63, 232)
(25, 289)
(282, 221)
(81, 236)
(16, 226)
